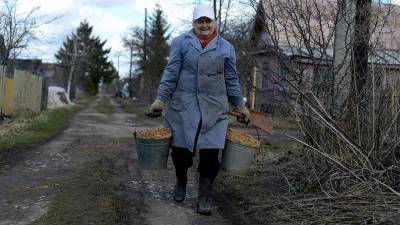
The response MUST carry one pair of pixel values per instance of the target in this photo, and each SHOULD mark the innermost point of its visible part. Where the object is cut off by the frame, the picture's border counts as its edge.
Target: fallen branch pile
(341, 209)
(348, 173)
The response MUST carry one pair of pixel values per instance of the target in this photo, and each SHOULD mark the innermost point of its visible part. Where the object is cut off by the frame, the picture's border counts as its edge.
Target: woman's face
(204, 27)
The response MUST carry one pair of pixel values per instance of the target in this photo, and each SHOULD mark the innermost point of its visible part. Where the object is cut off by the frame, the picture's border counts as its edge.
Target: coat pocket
(177, 104)
(212, 65)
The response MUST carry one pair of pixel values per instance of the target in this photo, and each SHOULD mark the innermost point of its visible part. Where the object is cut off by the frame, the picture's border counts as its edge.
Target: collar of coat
(196, 43)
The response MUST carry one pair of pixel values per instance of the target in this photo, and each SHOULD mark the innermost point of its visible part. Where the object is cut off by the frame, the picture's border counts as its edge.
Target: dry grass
(104, 106)
(133, 106)
(89, 197)
(25, 131)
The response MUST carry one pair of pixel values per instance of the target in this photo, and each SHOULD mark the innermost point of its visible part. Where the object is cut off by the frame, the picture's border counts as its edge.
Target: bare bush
(344, 99)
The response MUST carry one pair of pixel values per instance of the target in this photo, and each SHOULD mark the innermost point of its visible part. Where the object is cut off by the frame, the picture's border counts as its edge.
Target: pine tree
(151, 55)
(86, 57)
(157, 46)
(156, 49)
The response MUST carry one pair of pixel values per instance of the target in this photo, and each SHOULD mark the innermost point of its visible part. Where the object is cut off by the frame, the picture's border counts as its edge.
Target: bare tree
(133, 41)
(221, 11)
(17, 28)
(350, 148)
(237, 32)
(298, 36)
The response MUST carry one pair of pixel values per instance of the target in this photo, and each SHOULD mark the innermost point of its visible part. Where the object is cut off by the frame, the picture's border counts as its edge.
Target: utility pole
(119, 54)
(215, 8)
(130, 71)
(254, 87)
(72, 70)
(142, 77)
(2, 50)
(342, 55)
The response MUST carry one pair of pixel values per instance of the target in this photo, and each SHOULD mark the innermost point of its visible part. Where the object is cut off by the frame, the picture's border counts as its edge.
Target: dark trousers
(183, 159)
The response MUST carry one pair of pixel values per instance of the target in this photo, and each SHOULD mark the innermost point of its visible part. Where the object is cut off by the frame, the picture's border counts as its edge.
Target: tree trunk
(357, 107)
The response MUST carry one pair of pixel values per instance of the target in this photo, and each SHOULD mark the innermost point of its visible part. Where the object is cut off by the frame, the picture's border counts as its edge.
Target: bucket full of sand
(153, 148)
(240, 150)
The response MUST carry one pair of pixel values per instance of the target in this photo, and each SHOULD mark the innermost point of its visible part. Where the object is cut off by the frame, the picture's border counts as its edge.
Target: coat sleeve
(235, 96)
(171, 73)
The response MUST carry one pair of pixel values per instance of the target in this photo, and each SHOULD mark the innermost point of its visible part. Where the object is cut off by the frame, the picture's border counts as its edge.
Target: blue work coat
(197, 85)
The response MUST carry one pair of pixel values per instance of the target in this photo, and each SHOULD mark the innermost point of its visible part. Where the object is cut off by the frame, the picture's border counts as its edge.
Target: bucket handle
(134, 127)
(258, 134)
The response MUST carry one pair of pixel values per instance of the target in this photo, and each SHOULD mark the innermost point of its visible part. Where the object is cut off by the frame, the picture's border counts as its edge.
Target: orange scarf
(204, 42)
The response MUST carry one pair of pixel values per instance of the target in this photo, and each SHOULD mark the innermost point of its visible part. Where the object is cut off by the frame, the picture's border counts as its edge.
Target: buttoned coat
(198, 84)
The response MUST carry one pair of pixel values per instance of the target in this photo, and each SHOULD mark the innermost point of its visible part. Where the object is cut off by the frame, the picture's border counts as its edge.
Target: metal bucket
(237, 158)
(152, 153)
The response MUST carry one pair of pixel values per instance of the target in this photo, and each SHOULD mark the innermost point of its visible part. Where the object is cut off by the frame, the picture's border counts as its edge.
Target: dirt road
(30, 188)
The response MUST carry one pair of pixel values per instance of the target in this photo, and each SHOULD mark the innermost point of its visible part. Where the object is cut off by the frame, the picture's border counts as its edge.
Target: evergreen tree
(149, 49)
(86, 58)
(100, 68)
(157, 46)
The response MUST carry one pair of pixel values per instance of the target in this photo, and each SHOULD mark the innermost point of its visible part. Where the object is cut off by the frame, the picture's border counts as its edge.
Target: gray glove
(156, 108)
(244, 114)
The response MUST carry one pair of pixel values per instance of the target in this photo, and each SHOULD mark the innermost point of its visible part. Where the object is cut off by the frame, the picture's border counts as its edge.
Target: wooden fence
(27, 91)
(2, 87)
(22, 93)
(8, 96)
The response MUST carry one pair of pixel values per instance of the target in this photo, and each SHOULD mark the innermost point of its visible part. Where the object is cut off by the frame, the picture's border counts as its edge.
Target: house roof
(385, 56)
(327, 54)
(47, 70)
(284, 21)
(379, 56)
(30, 65)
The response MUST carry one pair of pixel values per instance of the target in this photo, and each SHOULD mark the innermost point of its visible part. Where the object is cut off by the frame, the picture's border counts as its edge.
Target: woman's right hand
(156, 109)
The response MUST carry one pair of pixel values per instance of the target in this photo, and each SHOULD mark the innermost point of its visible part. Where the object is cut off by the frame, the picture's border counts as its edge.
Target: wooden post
(253, 88)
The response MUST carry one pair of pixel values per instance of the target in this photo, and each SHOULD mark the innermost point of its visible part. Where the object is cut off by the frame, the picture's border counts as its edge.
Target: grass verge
(285, 123)
(104, 106)
(251, 186)
(89, 196)
(258, 185)
(28, 131)
(134, 107)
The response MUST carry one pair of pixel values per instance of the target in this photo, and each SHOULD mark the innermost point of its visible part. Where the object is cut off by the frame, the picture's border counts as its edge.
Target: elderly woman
(197, 86)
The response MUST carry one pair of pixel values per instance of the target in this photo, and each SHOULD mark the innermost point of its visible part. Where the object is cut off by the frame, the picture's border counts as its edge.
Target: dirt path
(26, 186)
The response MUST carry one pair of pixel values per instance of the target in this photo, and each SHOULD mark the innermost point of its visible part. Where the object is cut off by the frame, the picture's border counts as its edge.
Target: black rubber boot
(180, 190)
(183, 160)
(203, 202)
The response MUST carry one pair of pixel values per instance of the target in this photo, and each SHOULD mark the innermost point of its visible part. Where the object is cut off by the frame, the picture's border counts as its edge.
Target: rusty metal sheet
(261, 120)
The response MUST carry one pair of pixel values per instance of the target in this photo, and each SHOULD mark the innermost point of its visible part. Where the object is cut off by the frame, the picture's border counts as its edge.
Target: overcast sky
(110, 20)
